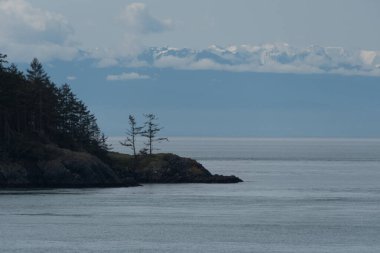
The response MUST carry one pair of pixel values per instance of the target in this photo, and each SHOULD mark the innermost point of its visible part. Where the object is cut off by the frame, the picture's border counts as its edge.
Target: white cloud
(275, 58)
(27, 32)
(368, 56)
(71, 78)
(138, 22)
(173, 62)
(137, 19)
(107, 62)
(127, 52)
(127, 76)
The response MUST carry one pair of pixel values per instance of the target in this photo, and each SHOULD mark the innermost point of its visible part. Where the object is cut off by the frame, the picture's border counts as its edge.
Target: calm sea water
(299, 195)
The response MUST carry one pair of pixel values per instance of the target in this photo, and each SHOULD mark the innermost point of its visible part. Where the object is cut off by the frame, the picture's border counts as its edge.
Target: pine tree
(151, 130)
(132, 133)
(36, 73)
(3, 60)
(42, 89)
(33, 104)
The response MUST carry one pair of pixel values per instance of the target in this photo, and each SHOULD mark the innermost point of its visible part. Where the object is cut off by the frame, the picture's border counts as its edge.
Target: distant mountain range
(310, 92)
(276, 58)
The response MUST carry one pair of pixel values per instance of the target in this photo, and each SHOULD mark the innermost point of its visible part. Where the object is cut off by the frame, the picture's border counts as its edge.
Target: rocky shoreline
(167, 168)
(62, 168)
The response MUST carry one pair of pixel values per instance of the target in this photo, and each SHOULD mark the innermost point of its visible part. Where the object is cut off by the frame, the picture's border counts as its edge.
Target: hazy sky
(330, 89)
(199, 23)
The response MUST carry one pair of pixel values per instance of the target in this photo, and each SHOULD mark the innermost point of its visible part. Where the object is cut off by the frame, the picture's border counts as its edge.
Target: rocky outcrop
(12, 174)
(50, 166)
(168, 168)
(60, 168)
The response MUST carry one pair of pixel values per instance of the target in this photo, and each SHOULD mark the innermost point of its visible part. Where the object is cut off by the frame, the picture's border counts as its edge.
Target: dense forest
(33, 110)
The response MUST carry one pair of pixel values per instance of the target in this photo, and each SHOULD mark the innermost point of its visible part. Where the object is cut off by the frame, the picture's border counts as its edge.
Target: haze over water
(299, 195)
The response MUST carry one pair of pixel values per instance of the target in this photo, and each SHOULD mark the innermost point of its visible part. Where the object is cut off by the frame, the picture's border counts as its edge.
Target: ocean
(298, 195)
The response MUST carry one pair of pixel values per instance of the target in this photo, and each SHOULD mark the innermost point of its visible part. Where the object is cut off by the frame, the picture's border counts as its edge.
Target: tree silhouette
(41, 87)
(151, 130)
(132, 133)
(3, 60)
(35, 110)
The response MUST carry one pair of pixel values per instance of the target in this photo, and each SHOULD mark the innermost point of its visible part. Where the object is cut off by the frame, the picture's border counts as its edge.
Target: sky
(199, 23)
(323, 55)
(90, 24)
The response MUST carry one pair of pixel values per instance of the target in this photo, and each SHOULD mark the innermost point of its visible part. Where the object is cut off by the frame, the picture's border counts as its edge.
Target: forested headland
(33, 109)
(49, 138)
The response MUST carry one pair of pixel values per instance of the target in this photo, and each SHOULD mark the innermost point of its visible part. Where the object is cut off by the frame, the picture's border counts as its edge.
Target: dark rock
(62, 168)
(12, 174)
(58, 168)
(168, 168)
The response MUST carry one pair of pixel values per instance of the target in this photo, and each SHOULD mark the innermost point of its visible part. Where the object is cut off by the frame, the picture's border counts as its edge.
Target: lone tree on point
(132, 133)
(151, 130)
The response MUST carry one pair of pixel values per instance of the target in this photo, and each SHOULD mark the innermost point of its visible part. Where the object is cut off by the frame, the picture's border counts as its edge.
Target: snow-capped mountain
(279, 57)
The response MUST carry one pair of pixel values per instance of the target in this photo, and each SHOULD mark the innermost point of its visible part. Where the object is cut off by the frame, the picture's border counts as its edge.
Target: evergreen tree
(32, 104)
(3, 60)
(43, 91)
(151, 130)
(132, 133)
(36, 73)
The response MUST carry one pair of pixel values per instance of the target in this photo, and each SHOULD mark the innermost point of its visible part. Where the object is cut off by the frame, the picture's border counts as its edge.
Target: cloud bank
(275, 58)
(137, 22)
(127, 76)
(137, 18)
(27, 32)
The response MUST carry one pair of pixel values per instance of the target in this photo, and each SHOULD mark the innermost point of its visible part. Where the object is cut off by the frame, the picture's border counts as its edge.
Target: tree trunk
(150, 145)
(40, 112)
(134, 146)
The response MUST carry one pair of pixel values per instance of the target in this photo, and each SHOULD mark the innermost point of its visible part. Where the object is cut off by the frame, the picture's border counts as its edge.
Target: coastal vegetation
(149, 130)
(35, 110)
(49, 138)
